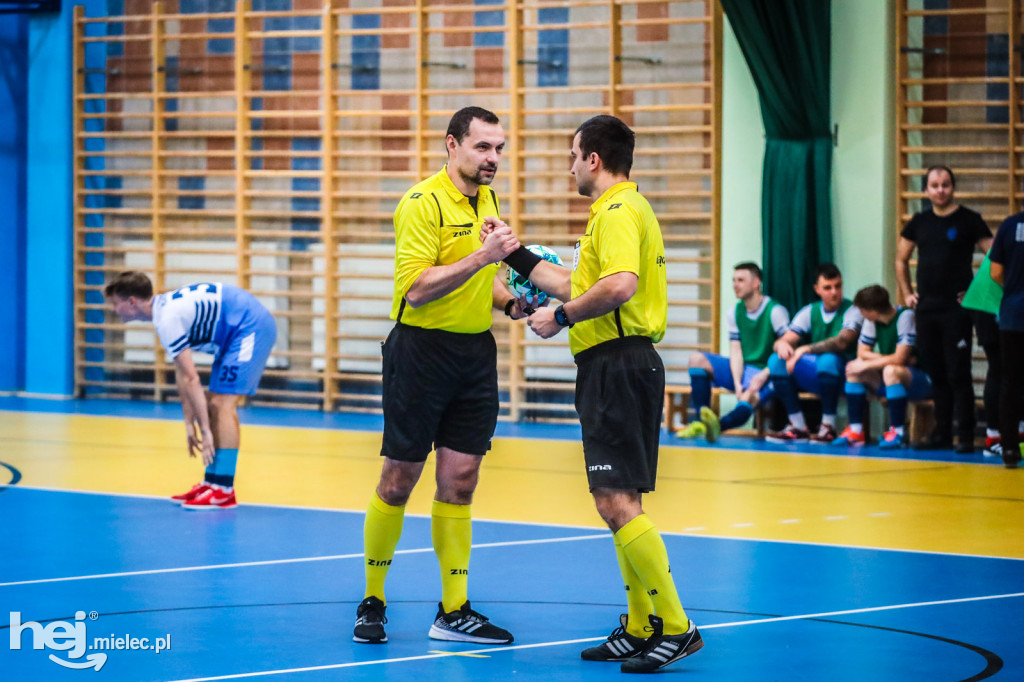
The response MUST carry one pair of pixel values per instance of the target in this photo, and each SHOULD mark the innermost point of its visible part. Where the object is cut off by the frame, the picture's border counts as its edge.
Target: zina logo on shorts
(58, 636)
(599, 467)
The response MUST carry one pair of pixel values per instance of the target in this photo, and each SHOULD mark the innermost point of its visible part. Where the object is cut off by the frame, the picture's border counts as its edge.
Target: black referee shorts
(440, 389)
(620, 393)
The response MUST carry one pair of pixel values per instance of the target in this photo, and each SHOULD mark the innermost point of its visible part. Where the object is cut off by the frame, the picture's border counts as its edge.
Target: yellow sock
(643, 546)
(637, 600)
(381, 531)
(451, 529)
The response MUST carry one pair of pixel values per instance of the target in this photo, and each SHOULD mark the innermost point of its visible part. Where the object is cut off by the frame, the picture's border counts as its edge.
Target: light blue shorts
(723, 376)
(243, 357)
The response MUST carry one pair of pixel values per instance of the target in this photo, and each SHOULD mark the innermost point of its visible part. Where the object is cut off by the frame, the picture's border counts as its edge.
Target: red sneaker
(197, 489)
(212, 499)
(848, 438)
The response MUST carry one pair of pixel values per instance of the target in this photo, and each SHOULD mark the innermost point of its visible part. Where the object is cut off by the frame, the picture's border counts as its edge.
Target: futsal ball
(519, 285)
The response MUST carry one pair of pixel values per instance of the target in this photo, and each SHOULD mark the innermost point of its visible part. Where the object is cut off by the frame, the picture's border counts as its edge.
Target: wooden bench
(677, 401)
(920, 413)
(920, 418)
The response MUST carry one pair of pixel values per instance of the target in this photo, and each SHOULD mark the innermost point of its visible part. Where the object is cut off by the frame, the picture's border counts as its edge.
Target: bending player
(811, 355)
(884, 363)
(754, 324)
(214, 318)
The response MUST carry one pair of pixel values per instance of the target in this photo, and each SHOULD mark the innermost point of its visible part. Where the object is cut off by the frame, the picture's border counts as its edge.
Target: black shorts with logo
(620, 393)
(440, 389)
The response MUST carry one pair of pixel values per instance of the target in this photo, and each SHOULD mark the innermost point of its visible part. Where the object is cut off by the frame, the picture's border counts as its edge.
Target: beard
(584, 187)
(482, 176)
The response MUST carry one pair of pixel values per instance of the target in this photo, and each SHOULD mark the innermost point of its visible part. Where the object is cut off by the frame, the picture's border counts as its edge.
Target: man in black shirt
(945, 236)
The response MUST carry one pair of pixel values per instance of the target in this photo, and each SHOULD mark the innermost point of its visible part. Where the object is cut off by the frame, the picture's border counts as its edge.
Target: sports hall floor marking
(751, 524)
(489, 650)
(273, 562)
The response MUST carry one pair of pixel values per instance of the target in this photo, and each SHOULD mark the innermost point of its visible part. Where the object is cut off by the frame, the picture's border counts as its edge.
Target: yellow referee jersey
(622, 235)
(436, 225)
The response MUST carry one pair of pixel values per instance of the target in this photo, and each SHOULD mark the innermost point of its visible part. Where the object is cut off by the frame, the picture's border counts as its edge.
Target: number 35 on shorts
(228, 373)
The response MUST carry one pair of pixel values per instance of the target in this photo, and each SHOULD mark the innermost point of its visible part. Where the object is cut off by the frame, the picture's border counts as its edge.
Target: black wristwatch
(561, 318)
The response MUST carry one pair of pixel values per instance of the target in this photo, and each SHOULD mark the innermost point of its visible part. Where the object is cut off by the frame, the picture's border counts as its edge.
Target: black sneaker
(1011, 460)
(370, 621)
(466, 625)
(619, 646)
(663, 649)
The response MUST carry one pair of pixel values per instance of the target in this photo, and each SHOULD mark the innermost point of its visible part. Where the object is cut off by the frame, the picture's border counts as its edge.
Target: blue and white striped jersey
(189, 317)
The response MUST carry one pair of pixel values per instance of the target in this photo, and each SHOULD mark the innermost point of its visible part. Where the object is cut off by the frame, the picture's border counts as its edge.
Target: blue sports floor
(795, 565)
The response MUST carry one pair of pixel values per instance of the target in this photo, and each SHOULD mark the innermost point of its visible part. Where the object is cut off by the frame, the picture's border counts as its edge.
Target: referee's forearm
(438, 281)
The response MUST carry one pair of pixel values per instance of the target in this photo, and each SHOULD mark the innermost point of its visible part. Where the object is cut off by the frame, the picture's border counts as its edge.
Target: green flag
(983, 294)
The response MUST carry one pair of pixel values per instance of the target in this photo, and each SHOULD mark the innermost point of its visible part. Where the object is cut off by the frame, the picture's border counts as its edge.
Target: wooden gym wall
(266, 143)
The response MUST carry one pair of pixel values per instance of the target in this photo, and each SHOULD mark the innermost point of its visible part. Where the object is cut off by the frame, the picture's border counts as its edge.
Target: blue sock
(856, 401)
(828, 385)
(829, 367)
(222, 470)
(700, 389)
(785, 387)
(896, 396)
(738, 416)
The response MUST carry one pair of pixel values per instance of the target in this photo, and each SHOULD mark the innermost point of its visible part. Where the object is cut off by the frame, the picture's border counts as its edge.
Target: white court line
(274, 562)
(760, 621)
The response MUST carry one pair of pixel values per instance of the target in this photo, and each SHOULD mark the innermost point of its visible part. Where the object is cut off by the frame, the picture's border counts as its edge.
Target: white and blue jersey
(920, 386)
(221, 319)
(779, 319)
(801, 324)
(906, 332)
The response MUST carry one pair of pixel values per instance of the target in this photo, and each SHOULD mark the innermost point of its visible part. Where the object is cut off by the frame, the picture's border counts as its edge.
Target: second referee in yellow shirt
(616, 310)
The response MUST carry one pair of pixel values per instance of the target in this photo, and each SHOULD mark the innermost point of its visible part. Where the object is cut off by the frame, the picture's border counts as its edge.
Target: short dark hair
(939, 167)
(458, 127)
(129, 283)
(611, 140)
(874, 298)
(750, 267)
(827, 271)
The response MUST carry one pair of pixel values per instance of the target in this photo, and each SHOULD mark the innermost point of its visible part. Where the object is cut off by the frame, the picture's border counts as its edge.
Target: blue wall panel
(553, 48)
(49, 292)
(366, 53)
(13, 156)
(492, 18)
(48, 263)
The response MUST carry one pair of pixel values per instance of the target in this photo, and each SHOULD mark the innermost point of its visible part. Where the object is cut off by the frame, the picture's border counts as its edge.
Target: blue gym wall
(13, 138)
(36, 325)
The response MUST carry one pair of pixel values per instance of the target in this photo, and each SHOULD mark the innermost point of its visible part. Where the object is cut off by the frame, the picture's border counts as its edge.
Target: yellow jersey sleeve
(417, 238)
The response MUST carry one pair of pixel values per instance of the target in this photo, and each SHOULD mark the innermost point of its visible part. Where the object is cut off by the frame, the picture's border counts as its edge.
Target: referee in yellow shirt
(616, 309)
(440, 380)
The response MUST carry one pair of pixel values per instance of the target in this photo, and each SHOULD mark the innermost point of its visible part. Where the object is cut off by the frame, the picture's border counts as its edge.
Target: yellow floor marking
(929, 506)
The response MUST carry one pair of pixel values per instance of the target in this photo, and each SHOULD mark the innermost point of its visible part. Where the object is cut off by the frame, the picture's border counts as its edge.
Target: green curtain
(786, 44)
